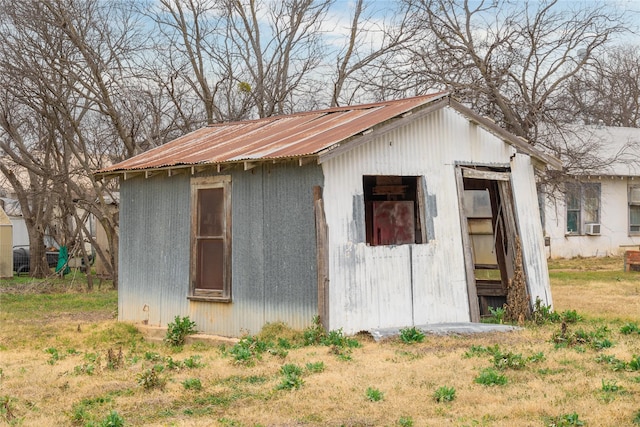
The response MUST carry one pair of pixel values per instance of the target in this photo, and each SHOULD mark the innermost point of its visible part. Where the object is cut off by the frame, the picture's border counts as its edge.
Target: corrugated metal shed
(313, 134)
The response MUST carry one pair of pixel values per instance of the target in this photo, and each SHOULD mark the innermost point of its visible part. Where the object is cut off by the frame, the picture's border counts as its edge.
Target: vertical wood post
(322, 252)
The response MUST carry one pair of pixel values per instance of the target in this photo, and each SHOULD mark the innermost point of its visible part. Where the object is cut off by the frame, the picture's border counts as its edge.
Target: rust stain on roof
(290, 136)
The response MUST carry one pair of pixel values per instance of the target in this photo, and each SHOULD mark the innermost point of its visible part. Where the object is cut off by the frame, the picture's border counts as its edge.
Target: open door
(489, 233)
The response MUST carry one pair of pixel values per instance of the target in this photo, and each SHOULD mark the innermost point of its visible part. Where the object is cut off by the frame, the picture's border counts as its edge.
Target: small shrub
(178, 330)
(634, 364)
(491, 377)
(150, 378)
(374, 395)
(405, 422)
(444, 394)
(636, 418)
(411, 335)
(192, 384)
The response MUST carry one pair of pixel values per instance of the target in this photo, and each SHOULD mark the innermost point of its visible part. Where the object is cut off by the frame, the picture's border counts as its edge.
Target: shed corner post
(322, 256)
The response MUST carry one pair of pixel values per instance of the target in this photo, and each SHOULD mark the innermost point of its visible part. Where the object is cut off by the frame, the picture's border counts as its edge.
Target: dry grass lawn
(60, 365)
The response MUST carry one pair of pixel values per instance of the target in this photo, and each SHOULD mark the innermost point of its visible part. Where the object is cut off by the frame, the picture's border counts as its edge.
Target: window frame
(417, 196)
(633, 204)
(204, 294)
(580, 192)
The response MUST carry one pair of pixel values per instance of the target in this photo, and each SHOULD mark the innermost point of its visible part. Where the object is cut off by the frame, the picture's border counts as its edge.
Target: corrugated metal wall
(273, 246)
(154, 249)
(391, 286)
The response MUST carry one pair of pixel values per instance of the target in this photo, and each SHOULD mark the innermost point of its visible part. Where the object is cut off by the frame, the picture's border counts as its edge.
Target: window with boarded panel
(211, 238)
(394, 208)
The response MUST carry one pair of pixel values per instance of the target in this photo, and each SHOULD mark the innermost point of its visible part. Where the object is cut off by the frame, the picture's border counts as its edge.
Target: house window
(393, 206)
(634, 209)
(211, 238)
(583, 206)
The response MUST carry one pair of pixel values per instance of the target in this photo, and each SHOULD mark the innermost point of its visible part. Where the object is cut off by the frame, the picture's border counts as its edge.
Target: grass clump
(178, 330)
(374, 395)
(405, 422)
(192, 384)
(112, 420)
(444, 394)
(566, 420)
(248, 349)
(291, 377)
(315, 367)
(411, 335)
(490, 377)
(630, 328)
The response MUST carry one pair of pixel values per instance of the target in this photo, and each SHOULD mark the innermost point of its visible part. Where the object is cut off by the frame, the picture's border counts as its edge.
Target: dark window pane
(573, 219)
(634, 215)
(573, 196)
(211, 215)
(210, 269)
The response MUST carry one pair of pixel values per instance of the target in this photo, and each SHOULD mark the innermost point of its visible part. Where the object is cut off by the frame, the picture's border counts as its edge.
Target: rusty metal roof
(281, 137)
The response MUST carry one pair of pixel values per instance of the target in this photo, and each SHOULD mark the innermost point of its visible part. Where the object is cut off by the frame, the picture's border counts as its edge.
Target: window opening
(583, 206)
(393, 206)
(211, 237)
(634, 209)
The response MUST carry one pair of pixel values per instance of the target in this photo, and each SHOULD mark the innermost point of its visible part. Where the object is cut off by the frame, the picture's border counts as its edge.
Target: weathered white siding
(614, 222)
(374, 286)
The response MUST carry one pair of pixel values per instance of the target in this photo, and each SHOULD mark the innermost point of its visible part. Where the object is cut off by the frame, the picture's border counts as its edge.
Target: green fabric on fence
(63, 261)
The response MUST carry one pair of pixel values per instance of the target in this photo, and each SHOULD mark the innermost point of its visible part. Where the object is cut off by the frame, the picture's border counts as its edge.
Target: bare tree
(607, 92)
(64, 66)
(373, 37)
(279, 46)
(510, 59)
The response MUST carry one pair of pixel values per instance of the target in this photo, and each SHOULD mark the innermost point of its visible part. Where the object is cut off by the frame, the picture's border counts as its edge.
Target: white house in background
(599, 214)
(14, 213)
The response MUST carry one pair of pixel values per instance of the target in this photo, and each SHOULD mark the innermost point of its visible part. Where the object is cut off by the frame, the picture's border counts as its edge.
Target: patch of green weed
(411, 335)
(444, 394)
(490, 377)
(178, 330)
(374, 395)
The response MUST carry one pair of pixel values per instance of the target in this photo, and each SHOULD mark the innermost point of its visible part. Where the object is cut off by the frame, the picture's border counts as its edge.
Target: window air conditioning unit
(592, 229)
